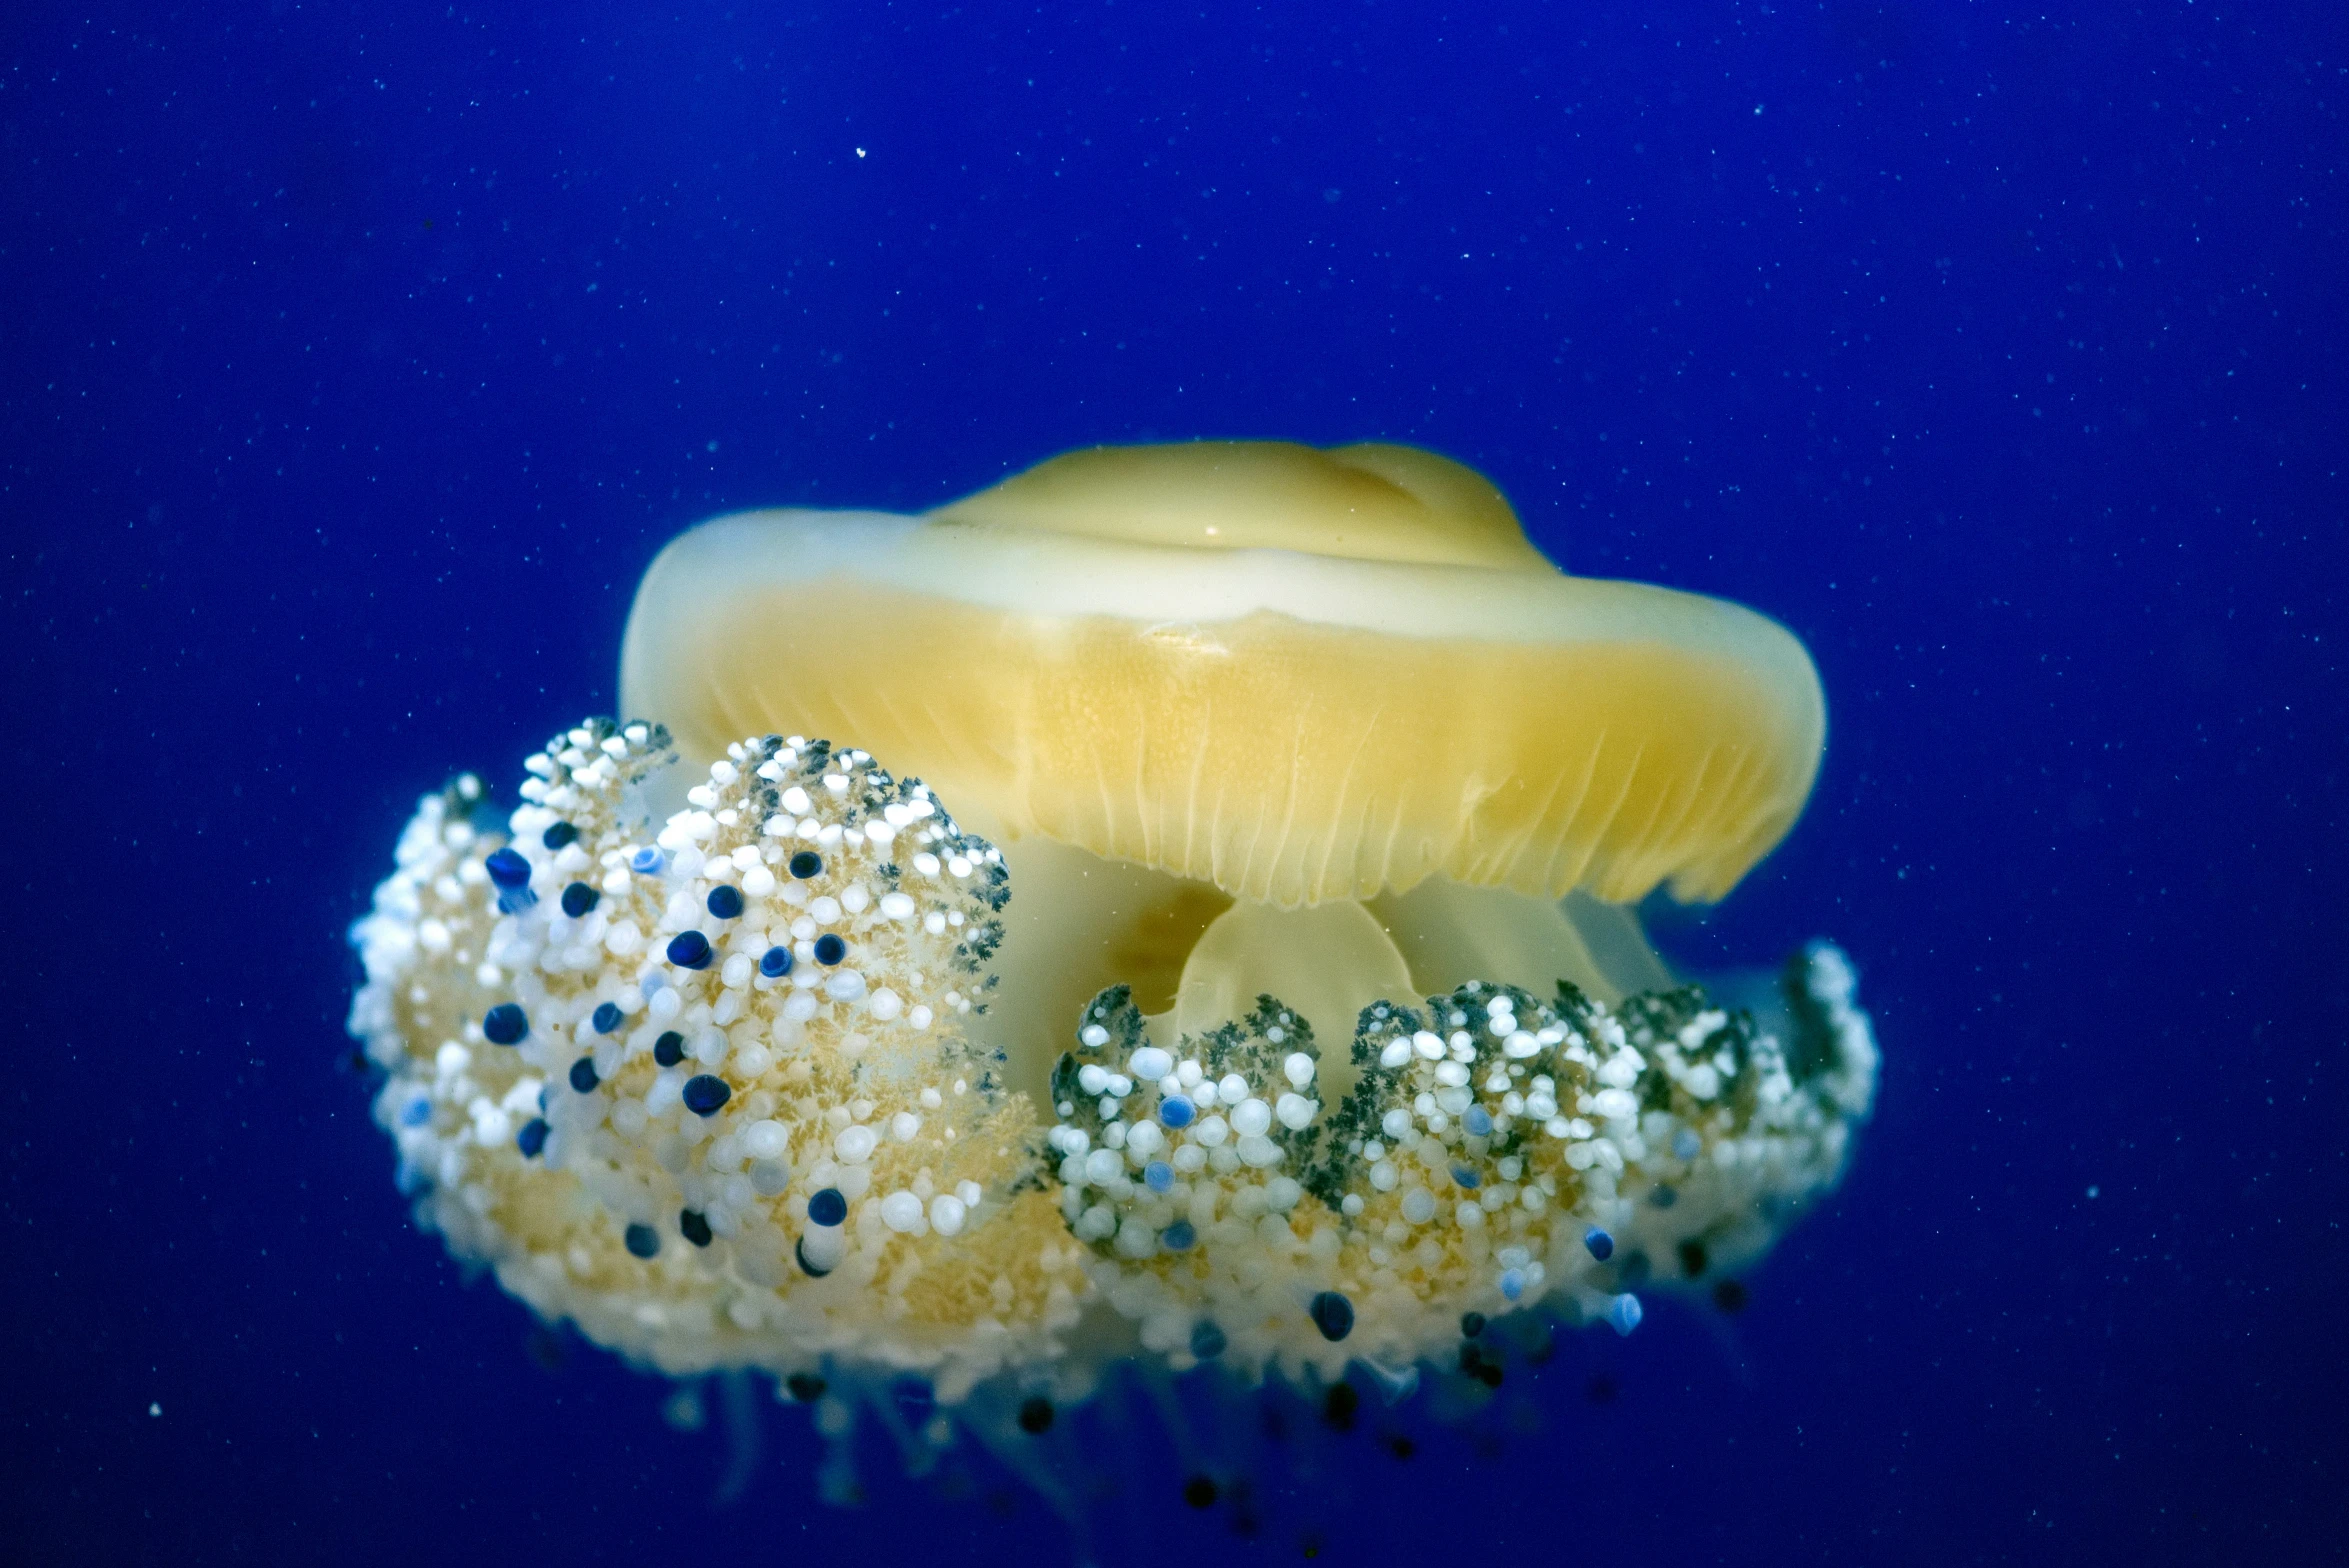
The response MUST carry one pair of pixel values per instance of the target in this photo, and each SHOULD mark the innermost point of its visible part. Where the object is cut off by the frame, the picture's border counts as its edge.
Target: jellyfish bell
(1251, 677)
(1168, 907)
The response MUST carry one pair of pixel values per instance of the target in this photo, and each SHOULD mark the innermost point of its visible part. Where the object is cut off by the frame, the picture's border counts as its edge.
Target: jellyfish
(1170, 910)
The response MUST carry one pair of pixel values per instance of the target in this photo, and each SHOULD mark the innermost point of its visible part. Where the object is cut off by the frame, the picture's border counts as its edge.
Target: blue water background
(355, 358)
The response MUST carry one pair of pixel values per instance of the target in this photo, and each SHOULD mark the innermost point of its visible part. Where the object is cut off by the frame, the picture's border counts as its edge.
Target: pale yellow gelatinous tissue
(1167, 678)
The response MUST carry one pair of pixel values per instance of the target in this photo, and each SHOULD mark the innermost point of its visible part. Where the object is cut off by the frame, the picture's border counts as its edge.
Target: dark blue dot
(827, 1207)
(1478, 1122)
(1207, 1340)
(643, 1240)
(1466, 1177)
(689, 950)
(1471, 1324)
(505, 1024)
(419, 1112)
(1176, 1110)
(1601, 1245)
(806, 864)
(705, 1093)
(559, 836)
(725, 901)
(578, 899)
(799, 1249)
(607, 1017)
(669, 1049)
(531, 1138)
(1178, 1237)
(775, 962)
(507, 869)
(830, 949)
(1333, 1314)
(583, 1076)
(693, 1227)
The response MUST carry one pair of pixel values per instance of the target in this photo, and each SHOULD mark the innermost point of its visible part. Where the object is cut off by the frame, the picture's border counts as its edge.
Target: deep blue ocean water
(355, 359)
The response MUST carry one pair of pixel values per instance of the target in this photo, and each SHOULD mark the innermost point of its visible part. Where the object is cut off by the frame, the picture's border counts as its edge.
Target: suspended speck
(1338, 1408)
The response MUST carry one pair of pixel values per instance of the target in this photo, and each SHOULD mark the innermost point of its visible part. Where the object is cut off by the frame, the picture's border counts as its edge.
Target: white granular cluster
(795, 946)
(703, 1088)
(1494, 1149)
